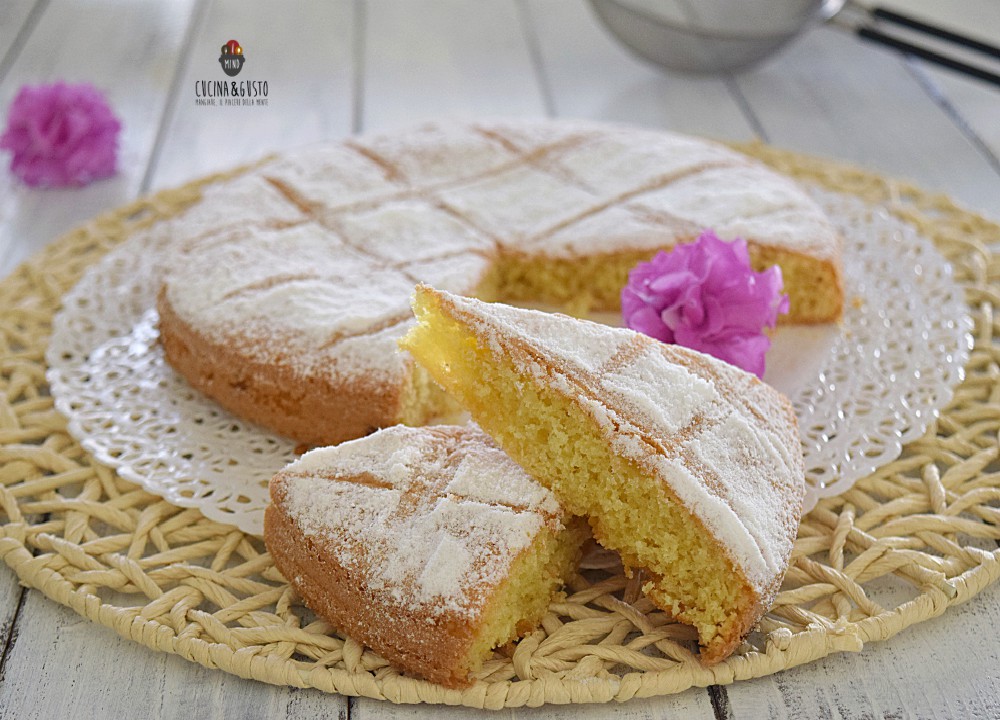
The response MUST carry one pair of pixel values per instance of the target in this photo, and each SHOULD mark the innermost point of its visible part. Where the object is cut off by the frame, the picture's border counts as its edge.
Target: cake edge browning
(443, 646)
(329, 590)
(319, 413)
(770, 402)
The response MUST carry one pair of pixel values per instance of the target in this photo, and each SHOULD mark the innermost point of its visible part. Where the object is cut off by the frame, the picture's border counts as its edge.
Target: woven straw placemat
(902, 546)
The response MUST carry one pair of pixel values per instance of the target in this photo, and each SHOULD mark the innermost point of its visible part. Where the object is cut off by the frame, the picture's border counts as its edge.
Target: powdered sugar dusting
(446, 567)
(407, 231)
(323, 245)
(378, 352)
(685, 417)
(430, 517)
(248, 201)
(460, 273)
(328, 177)
(241, 201)
(315, 310)
(746, 458)
(716, 510)
(631, 230)
(743, 201)
(436, 153)
(518, 202)
(584, 345)
(658, 393)
(234, 261)
(486, 476)
(622, 161)
(309, 304)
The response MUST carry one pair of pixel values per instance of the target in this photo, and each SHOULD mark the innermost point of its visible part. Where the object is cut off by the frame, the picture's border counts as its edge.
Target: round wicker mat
(902, 546)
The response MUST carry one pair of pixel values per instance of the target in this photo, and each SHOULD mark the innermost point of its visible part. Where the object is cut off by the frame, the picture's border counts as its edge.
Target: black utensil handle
(891, 16)
(882, 38)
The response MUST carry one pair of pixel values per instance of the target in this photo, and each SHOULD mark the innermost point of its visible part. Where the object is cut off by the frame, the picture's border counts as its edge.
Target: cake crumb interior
(519, 603)
(555, 440)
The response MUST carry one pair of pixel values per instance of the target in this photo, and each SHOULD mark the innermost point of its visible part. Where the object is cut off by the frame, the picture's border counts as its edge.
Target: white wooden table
(339, 67)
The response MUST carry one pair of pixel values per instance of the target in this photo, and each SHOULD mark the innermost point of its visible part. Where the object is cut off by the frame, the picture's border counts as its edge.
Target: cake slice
(428, 545)
(690, 468)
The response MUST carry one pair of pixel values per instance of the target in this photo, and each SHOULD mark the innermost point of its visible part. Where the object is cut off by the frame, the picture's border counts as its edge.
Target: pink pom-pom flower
(706, 296)
(61, 135)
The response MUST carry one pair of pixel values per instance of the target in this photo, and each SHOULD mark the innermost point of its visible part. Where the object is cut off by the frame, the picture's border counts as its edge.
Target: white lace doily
(861, 390)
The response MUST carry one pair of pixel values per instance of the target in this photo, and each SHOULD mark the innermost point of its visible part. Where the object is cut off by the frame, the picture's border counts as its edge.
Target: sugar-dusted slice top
(725, 443)
(432, 518)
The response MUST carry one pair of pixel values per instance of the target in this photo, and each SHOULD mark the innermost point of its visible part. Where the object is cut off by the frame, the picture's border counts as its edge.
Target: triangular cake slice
(429, 545)
(689, 467)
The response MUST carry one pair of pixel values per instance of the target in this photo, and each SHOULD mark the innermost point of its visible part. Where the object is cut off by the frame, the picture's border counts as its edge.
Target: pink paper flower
(706, 296)
(61, 135)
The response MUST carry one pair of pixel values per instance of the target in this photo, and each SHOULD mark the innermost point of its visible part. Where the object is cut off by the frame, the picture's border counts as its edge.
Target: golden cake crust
(314, 409)
(336, 595)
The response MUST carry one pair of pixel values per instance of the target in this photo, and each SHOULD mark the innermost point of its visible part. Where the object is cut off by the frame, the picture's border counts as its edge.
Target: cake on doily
(429, 545)
(689, 467)
(289, 286)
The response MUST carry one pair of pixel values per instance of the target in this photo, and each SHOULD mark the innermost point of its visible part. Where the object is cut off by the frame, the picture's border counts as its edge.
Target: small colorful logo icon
(232, 58)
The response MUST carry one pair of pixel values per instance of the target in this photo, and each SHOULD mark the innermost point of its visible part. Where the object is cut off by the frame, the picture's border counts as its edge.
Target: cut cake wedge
(429, 545)
(689, 467)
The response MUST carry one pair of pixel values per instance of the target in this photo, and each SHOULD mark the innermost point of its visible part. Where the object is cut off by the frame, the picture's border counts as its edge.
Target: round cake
(289, 285)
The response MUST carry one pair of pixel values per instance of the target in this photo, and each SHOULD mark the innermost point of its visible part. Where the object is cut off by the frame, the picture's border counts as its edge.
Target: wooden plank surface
(64, 666)
(859, 103)
(975, 105)
(942, 668)
(60, 35)
(54, 643)
(972, 102)
(139, 49)
(589, 75)
(16, 20)
(307, 59)
(428, 59)
(691, 705)
(975, 18)
(11, 600)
